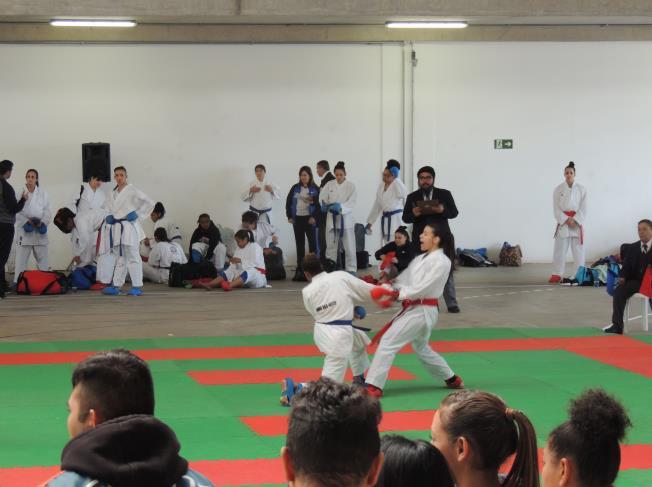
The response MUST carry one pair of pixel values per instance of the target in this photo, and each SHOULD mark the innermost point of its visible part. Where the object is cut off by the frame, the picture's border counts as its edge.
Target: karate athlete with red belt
(418, 288)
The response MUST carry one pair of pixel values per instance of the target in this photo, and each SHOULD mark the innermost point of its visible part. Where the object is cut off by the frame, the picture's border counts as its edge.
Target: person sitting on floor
(585, 450)
(206, 243)
(345, 421)
(637, 258)
(398, 253)
(115, 438)
(163, 254)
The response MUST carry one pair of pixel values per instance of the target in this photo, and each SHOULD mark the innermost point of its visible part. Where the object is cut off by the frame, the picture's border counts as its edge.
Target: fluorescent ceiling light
(93, 23)
(426, 25)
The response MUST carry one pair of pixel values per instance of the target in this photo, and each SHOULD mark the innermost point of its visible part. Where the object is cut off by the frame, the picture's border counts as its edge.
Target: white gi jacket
(262, 200)
(565, 199)
(36, 206)
(84, 235)
(88, 200)
(425, 277)
(120, 204)
(344, 194)
(163, 254)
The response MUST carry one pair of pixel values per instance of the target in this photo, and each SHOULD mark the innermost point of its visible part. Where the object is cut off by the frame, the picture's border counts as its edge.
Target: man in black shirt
(441, 208)
(8, 209)
(323, 171)
(637, 258)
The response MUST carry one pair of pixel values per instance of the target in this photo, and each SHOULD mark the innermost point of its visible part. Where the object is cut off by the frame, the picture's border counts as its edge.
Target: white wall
(586, 102)
(191, 121)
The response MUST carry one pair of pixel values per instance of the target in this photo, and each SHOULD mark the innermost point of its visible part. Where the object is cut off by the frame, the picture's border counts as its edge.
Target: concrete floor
(492, 297)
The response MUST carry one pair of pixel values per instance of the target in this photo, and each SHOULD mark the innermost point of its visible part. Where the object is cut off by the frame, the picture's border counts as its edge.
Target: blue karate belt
(346, 323)
(387, 216)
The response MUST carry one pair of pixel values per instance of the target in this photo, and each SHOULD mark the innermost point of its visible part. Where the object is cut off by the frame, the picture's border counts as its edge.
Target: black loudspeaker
(96, 160)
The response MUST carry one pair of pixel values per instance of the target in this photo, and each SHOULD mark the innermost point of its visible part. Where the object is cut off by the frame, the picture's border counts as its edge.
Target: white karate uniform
(261, 202)
(172, 230)
(252, 262)
(119, 243)
(161, 257)
(344, 194)
(37, 206)
(87, 200)
(219, 253)
(389, 203)
(84, 235)
(263, 233)
(566, 199)
(331, 297)
(424, 278)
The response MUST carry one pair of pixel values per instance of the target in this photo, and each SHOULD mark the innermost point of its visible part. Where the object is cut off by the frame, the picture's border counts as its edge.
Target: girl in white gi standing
(121, 236)
(419, 288)
(163, 254)
(247, 267)
(337, 200)
(89, 197)
(569, 209)
(32, 226)
(390, 201)
(260, 195)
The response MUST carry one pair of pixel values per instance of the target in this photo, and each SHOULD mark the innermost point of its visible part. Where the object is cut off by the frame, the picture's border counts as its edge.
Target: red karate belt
(262, 271)
(407, 304)
(571, 214)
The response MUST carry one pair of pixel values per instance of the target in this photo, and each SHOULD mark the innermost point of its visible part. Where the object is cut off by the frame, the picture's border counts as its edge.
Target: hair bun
(339, 165)
(600, 416)
(571, 164)
(402, 227)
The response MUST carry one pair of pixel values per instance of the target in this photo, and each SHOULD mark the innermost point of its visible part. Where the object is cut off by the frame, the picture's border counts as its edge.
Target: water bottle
(596, 282)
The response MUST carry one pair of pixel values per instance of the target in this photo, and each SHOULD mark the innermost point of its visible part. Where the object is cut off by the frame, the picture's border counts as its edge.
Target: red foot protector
(226, 285)
(387, 260)
(273, 376)
(383, 297)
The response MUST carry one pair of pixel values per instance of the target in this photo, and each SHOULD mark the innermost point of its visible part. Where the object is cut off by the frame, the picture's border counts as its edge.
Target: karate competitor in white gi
(418, 287)
(121, 236)
(89, 197)
(331, 299)
(247, 267)
(157, 220)
(569, 209)
(162, 255)
(262, 231)
(83, 228)
(260, 194)
(390, 201)
(32, 226)
(337, 200)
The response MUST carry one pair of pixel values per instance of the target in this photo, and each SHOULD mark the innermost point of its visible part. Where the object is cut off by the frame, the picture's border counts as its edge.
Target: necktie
(645, 248)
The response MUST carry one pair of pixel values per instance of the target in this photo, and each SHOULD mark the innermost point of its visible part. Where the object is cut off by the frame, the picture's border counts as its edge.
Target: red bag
(36, 283)
(646, 284)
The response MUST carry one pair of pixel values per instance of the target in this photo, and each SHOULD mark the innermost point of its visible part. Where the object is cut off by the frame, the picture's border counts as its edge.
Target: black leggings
(6, 241)
(303, 229)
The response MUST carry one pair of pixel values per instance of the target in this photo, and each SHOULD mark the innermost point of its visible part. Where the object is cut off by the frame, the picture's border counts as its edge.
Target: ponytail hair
(159, 208)
(591, 437)
(571, 165)
(35, 172)
(340, 166)
(403, 231)
(243, 234)
(494, 432)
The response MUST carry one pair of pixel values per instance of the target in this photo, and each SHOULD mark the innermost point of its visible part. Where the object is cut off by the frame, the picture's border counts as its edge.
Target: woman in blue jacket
(301, 208)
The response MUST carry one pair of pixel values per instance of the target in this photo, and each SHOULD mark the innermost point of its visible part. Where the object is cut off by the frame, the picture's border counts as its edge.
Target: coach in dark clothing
(8, 209)
(439, 214)
(323, 171)
(637, 258)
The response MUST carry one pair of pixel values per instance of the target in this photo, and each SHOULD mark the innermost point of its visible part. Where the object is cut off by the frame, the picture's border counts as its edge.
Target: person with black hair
(389, 202)
(260, 194)
(431, 205)
(302, 210)
(32, 226)
(323, 171)
(90, 196)
(247, 267)
(115, 439)
(83, 228)
(164, 253)
(206, 243)
(9, 206)
(396, 256)
(157, 220)
(345, 422)
(477, 432)
(637, 259)
(569, 210)
(412, 463)
(585, 450)
(418, 287)
(337, 200)
(262, 230)
(121, 234)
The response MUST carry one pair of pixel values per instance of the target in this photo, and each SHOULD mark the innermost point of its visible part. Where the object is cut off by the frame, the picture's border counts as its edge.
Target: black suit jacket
(327, 177)
(635, 262)
(419, 222)
(321, 217)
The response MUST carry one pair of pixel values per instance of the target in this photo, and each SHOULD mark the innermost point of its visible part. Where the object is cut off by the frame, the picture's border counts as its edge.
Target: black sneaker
(299, 276)
(613, 329)
(454, 309)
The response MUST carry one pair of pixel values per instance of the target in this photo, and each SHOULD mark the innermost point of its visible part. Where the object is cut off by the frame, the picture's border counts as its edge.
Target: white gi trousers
(255, 279)
(348, 244)
(561, 249)
(117, 265)
(22, 258)
(342, 345)
(412, 327)
(155, 274)
(219, 253)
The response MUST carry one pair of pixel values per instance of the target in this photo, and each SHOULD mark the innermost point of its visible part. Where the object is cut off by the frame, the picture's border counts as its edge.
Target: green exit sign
(503, 144)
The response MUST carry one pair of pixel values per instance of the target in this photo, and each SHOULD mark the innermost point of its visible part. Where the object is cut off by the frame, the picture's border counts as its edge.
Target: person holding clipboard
(430, 205)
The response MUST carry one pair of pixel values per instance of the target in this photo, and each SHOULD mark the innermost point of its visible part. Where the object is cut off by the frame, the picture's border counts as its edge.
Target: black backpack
(274, 269)
(361, 255)
(190, 271)
(470, 258)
